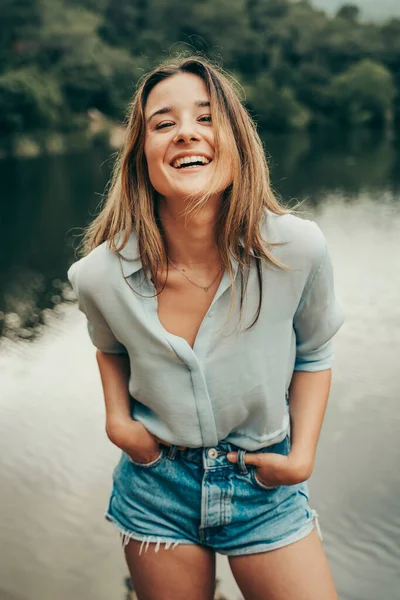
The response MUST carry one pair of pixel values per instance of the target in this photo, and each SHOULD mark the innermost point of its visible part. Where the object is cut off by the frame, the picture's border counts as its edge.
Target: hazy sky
(382, 9)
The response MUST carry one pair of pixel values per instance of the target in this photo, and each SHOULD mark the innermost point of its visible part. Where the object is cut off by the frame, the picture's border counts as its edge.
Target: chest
(182, 307)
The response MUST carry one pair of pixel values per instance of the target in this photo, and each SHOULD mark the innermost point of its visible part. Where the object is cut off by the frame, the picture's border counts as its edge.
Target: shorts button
(212, 453)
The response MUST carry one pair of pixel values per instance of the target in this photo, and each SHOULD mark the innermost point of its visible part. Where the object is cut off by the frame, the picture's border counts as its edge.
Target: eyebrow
(169, 109)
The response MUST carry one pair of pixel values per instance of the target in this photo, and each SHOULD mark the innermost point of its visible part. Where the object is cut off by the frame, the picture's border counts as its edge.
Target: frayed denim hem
(126, 536)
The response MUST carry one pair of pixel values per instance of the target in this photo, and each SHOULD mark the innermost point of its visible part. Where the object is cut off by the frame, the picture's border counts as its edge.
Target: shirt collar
(130, 258)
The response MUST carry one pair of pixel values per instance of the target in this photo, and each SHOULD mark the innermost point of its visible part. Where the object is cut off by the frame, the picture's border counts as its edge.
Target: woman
(212, 308)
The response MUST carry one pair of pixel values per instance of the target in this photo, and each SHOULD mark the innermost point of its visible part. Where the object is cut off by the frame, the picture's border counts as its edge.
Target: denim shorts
(196, 496)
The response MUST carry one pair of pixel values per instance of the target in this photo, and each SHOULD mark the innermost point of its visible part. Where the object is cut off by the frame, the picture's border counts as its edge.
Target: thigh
(186, 571)
(298, 571)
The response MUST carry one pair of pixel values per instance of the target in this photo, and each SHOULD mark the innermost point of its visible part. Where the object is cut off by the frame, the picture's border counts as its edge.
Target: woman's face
(179, 140)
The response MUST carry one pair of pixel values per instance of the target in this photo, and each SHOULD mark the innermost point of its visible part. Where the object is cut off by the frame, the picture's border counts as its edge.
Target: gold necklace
(203, 287)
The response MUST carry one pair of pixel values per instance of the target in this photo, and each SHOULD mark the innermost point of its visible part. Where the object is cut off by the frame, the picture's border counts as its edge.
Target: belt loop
(172, 452)
(240, 462)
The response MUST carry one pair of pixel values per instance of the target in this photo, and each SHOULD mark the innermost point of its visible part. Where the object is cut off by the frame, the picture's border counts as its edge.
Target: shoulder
(88, 273)
(302, 241)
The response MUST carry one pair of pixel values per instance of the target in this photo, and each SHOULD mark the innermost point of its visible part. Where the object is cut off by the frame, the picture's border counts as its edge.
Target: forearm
(114, 372)
(308, 398)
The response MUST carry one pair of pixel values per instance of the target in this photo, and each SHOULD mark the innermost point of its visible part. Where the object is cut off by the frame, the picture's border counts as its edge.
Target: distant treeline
(299, 67)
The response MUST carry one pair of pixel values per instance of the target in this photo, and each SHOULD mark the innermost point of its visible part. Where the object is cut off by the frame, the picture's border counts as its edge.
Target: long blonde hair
(131, 201)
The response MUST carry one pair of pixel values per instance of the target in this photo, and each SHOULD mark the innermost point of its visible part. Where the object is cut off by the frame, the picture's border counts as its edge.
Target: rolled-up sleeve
(318, 317)
(99, 331)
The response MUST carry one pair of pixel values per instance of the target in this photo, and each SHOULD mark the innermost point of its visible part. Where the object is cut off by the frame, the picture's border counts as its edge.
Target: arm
(123, 431)
(318, 317)
(112, 356)
(114, 366)
(308, 398)
(114, 373)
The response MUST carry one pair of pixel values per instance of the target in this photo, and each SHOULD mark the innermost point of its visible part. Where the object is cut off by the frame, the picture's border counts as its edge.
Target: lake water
(56, 461)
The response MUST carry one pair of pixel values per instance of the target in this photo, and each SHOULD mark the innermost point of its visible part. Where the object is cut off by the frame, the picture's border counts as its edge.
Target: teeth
(189, 159)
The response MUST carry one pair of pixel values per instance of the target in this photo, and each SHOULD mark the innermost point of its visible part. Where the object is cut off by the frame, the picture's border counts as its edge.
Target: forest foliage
(299, 67)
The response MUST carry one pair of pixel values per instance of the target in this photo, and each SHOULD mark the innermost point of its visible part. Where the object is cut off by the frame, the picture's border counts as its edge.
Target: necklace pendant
(205, 288)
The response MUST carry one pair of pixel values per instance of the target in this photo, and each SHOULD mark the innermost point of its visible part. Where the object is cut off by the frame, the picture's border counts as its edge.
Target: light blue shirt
(233, 385)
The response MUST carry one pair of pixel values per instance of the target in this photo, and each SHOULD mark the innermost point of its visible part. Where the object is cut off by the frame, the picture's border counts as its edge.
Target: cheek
(226, 158)
(152, 153)
(210, 137)
(154, 158)
(157, 177)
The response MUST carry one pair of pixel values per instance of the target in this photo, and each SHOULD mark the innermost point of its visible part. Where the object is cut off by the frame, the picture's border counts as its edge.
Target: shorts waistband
(216, 455)
(196, 454)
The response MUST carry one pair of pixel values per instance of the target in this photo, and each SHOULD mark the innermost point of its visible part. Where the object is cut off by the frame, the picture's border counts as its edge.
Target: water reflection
(46, 201)
(352, 163)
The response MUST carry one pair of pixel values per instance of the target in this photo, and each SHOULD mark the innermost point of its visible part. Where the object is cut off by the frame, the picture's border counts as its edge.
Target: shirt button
(210, 314)
(212, 453)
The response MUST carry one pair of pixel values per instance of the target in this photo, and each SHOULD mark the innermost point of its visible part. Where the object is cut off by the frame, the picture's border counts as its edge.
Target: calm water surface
(56, 460)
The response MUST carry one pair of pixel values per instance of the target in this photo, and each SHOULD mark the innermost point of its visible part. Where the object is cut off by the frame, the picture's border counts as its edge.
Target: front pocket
(153, 463)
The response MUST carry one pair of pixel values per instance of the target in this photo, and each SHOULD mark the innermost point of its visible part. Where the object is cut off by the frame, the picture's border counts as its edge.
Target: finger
(259, 459)
(249, 459)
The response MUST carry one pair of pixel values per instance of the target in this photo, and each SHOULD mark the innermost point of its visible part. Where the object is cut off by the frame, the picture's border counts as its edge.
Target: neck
(191, 240)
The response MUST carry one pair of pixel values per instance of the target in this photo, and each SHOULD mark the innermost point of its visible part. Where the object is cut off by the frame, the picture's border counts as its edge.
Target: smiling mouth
(190, 162)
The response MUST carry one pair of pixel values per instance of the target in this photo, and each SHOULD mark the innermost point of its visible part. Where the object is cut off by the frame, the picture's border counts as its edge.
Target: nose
(186, 133)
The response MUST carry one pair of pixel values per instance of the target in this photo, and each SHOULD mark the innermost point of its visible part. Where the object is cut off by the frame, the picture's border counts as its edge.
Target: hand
(135, 440)
(276, 469)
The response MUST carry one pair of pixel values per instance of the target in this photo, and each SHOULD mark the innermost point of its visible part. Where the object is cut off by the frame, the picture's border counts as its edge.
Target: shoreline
(99, 129)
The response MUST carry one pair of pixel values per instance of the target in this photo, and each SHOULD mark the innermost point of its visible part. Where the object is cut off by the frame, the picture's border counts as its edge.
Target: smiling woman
(218, 425)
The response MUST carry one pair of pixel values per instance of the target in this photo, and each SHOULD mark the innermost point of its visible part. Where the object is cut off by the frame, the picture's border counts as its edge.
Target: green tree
(124, 22)
(19, 31)
(390, 56)
(29, 101)
(363, 94)
(65, 30)
(95, 75)
(350, 12)
(311, 90)
(148, 27)
(273, 108)
(262, 11)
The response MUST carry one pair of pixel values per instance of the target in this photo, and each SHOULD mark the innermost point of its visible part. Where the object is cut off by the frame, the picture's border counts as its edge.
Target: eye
(163, 125)
(206, 118)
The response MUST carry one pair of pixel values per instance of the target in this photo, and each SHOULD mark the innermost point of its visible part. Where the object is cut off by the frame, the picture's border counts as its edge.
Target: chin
(187, 190)
(187, 195)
